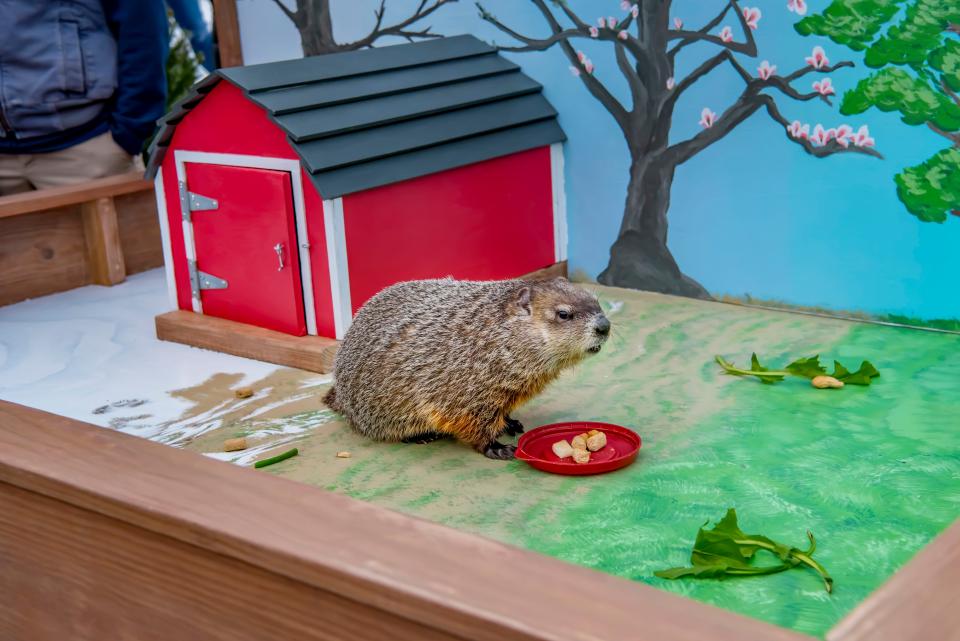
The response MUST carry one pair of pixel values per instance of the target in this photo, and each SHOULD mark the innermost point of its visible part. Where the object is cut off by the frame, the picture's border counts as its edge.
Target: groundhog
(432, 359)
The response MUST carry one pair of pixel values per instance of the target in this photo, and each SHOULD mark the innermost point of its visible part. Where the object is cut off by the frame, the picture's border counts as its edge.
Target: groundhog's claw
(514, 427)
(499, 451)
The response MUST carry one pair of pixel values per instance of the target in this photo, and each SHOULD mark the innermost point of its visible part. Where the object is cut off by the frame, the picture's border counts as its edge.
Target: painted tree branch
(950, 92)
(954, 138)
(313, 20)
(749, 102)
(400, 29)
(562, 37)
(703, 35)
(290, 14)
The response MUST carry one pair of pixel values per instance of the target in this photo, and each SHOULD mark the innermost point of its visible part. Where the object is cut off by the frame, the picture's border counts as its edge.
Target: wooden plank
(312, 353)
(227, 29)
(552, 271)
(920, 603)
(56, 197)
(102, 235)
(106, 579)
(453, 583)
(139, 231)
(41, 253)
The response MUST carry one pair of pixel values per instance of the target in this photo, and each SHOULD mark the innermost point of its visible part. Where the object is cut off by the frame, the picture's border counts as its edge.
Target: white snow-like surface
(73, 352)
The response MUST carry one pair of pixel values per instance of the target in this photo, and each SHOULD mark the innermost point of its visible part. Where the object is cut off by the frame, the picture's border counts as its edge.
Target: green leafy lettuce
(727, 551)
(803, 367)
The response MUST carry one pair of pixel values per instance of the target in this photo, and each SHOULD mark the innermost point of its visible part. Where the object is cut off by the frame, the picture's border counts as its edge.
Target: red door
(247, 239)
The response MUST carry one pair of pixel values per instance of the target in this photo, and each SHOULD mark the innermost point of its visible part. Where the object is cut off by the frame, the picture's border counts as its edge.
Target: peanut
(824, 382)
(243, 392)
(234, 444)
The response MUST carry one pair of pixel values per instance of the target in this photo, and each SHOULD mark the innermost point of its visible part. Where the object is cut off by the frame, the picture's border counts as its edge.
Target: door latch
(279, 249)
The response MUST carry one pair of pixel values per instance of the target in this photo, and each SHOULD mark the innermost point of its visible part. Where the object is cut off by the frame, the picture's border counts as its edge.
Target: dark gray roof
(368, 118)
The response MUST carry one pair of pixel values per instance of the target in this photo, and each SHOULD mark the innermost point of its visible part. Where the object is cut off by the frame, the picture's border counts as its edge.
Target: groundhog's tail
(330, 399)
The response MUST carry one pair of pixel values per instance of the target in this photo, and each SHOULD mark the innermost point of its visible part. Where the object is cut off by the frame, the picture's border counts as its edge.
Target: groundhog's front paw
(514, 427)
(499, 451)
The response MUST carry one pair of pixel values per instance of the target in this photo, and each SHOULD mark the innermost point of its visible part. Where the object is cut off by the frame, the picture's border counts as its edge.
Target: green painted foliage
(932, 190)
(894, 89)
(919, 32)
(946, 60)
(854, 23)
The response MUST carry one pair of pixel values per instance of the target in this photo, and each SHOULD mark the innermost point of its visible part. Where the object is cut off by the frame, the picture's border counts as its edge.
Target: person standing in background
(82, 84)
(188, 15)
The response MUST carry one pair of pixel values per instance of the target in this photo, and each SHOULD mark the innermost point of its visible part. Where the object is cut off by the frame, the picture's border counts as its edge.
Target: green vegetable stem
(727, 551)
(803, 367)
(276, 459)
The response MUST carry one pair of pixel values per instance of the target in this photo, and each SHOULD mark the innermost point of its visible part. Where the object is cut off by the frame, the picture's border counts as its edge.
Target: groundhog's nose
(603, 326)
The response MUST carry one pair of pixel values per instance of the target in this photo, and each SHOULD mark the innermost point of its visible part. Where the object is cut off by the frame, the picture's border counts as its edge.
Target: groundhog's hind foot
(498, 451)
(424, 438)
(513, 428)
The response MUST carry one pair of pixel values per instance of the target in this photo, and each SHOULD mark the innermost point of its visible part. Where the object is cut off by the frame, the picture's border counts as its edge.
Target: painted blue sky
(753, 214)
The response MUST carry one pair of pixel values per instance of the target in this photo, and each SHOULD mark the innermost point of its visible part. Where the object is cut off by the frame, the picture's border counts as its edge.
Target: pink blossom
(726, 34)
(574, 71)
(670, 83)
(818, 58)
(842, 135)
(862, 138)
(752, 16)
(612, 22)
(602, 22)
(678, 23)
(625, 5)
(765, 70)
(707, 118)
(585, 62)
(820, 135)
(594, 32)
(799, 7)
(635, 11)
(623, 35)
(824, 87)
(799, 131)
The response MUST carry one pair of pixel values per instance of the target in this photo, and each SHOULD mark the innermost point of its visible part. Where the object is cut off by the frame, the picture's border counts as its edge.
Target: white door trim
(299, 208)
(337, 258)
(559, 202)
(165, 239)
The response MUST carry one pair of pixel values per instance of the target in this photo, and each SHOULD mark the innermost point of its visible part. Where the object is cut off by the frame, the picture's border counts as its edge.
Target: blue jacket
(73, 69)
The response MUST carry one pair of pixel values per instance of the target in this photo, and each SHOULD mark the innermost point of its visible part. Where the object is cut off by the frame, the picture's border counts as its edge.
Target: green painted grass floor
(873, 472)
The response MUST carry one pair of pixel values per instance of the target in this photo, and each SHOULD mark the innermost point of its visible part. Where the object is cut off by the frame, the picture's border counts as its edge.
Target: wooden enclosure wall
(66, 237)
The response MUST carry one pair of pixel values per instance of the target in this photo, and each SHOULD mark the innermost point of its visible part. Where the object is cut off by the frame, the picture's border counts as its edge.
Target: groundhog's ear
(523, 300)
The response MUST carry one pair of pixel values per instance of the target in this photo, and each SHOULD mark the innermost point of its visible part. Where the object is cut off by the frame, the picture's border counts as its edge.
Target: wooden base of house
(312, 353)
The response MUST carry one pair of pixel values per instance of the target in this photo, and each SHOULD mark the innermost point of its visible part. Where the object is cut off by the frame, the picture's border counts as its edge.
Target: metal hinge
(190, 201)
(201, 280)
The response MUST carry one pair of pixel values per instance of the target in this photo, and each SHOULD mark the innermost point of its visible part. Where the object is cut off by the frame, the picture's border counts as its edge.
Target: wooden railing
(57, 239)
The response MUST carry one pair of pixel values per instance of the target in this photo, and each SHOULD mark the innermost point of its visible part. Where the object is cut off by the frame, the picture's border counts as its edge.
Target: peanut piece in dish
(597, 442)
(581, 456)
(562, 449)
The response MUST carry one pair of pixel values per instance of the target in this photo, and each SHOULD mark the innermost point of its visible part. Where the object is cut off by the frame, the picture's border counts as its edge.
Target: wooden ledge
(312, 353)
(44, 199)
(123, 537)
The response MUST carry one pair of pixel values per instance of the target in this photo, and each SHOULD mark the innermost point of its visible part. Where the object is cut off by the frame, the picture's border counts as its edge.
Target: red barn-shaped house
(292, 192)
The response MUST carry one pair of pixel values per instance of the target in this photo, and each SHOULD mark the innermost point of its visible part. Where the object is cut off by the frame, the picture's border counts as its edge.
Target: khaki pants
(94, 158)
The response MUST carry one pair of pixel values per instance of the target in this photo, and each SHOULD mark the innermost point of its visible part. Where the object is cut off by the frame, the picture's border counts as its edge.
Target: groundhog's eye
(563, 314)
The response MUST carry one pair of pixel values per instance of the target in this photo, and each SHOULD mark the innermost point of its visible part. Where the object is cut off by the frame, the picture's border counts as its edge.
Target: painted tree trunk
(315, 25)
(640, 258)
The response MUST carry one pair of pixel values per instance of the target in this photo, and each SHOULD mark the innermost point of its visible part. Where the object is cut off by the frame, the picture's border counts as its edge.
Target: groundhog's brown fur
(456, 357)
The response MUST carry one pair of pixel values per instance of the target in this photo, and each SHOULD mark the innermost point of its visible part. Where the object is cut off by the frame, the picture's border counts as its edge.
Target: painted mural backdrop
(787, 152)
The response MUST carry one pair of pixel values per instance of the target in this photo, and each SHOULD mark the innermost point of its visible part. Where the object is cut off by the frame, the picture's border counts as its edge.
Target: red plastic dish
(536, 448)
